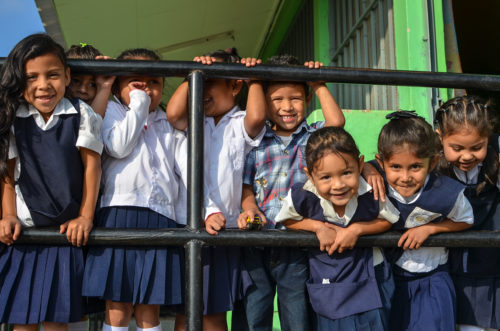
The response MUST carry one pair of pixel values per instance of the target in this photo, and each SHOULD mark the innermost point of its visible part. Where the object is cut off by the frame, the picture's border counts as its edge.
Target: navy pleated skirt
(376, 319)
(225, 280)
(423, 301)
(135, 274)
(40, 283)
(478, 301)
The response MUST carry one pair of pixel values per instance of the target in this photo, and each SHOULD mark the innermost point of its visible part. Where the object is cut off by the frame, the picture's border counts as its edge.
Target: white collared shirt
(141, 164)
(426, 259)
(89, 136)
(386, 210)
(472, 176)
(226, 147)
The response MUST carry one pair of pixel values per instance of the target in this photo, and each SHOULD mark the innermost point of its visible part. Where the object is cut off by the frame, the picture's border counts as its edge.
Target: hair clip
(402, 114)
(82, 45)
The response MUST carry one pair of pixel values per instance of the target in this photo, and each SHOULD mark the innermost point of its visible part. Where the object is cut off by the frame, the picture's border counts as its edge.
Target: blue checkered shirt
(272, 168)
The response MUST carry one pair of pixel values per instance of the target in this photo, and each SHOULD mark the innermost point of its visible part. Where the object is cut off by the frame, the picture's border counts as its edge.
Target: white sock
(106, 327)
(154, 328)
(79, 326)
(464, 327)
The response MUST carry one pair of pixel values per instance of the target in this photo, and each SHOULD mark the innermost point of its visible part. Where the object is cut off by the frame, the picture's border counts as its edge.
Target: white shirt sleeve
(121, 129)
(462, 210)
(89, 133)
(388, 211)
(12, 145)
(287, 211)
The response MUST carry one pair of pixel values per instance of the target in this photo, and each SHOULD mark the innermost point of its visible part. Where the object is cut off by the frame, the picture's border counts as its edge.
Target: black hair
(13, 84)
(284, 60)
(229, 55)
(412, 131)
(328, 140)
(468, 112)
(134, 54)
(83, 52)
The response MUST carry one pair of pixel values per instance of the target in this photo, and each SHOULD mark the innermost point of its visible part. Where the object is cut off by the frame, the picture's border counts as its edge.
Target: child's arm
(120, 134)
(78, 229)
(325, 234)
(347, 237)
(255, 118)
(375, 180)
(10, 227)
(414, 237)
(103, 86)
(249, 207)
(177, 107)
(331, 110)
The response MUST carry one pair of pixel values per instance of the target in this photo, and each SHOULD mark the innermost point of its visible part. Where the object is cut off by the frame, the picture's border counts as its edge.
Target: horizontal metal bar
(289, 73)
(234, 237)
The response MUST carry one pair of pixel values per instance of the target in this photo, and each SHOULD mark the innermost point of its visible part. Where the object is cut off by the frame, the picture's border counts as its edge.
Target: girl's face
(219, 96)
(153, 87)
(83, 87)
(465, 148)
(46, 82)
(405, 172)
(336, 177)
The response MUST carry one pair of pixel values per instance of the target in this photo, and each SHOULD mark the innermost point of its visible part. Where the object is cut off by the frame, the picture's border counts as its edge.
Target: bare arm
(10, 227)
(331, 110)
(255, 117)
(177, 107)
(78, 229)
(100, 102)
(414, 237)
(325, 234)
(249, 207)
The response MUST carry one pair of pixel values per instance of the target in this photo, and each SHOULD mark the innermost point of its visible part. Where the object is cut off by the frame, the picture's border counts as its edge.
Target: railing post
(194, 276)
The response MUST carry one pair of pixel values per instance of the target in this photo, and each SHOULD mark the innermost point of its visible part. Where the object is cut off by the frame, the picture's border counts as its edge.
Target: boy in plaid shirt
(270, 171)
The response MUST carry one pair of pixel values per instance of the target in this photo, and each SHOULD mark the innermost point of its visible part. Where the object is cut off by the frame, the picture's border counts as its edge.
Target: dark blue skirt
(478, 301)
(376, 319)
(40, 283)
(135, 274)
(423, 301)
(225, 280)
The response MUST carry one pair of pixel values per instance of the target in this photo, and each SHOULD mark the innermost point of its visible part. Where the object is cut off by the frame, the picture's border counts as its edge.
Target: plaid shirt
(272, 168)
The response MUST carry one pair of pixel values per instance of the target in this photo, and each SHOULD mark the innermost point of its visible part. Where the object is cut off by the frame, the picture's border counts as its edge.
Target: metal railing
(193, 237)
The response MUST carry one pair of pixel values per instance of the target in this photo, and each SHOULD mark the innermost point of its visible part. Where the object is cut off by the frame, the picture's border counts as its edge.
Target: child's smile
(405, 172)
(465, 148)
(286, 107)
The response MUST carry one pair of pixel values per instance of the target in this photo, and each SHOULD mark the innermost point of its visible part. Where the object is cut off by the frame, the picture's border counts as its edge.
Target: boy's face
(83, 87)
(286, 107)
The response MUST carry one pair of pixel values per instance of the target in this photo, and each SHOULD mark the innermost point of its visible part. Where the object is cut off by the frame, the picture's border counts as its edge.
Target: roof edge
(50, 21)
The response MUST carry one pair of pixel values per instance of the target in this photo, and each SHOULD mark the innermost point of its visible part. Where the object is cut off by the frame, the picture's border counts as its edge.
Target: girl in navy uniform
(50, 166)
(428, 203)
(470, 155)
(140, 188)
(349, 288)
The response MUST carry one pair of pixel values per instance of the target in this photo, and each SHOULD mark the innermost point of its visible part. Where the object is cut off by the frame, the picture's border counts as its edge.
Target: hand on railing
(10, 229)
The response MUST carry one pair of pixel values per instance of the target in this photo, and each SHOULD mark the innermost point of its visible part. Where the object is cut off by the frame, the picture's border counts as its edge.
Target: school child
(140, 187)
(51, 178)
(229, 135)
(94, 90)
(270, 171)
(349, 288)
(428, 203)
(470, 155)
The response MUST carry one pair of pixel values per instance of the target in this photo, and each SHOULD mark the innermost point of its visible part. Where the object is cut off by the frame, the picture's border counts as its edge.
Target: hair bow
(83, 45)
(402, 114)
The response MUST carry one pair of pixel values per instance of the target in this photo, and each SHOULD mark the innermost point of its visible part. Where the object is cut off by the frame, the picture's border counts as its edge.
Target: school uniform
(425, 298)
(226, 147)
(350, 290)
(140, 188)
(476, 270)
(43, 283)
(272, 169)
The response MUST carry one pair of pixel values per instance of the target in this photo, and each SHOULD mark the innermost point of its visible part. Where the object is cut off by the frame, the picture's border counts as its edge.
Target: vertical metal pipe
(194, 277)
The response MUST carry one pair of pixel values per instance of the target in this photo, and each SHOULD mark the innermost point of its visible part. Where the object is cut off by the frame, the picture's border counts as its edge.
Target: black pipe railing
(289, 73)
(193, 237)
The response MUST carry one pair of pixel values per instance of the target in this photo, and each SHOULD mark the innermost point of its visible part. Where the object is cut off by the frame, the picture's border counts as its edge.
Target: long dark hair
(13, 84)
